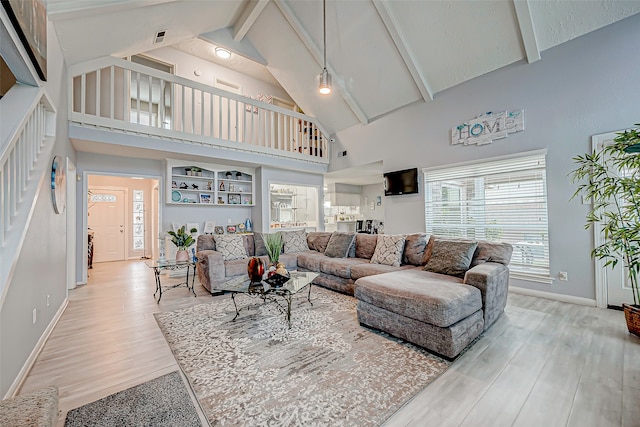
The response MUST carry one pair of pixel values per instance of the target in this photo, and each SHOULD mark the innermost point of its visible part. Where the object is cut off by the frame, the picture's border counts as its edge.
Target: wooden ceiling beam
(248, 17)
(527, 31)
(338, 84)
(392, 27)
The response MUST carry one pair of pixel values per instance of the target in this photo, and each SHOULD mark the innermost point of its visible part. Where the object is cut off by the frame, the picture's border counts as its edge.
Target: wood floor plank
(543, 363)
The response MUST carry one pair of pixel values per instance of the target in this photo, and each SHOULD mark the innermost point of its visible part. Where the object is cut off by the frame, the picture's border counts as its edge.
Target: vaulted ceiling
(382, 54)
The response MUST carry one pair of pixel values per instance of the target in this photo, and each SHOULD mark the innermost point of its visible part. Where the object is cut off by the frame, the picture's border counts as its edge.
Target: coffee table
(158, 266)
(242, 285)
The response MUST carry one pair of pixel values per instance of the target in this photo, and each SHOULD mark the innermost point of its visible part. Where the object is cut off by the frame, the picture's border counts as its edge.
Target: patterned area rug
(325, 370)
(163, 401)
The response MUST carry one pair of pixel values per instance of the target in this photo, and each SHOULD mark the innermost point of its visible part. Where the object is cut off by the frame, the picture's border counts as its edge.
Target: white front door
(107, 220)
(611, 283)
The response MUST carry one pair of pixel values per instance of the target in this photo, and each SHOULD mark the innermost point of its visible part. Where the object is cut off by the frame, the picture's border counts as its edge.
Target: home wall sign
(488, 127)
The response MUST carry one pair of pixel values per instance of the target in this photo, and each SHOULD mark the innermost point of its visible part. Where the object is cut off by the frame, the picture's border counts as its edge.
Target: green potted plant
(273, 243)
(182, 240)
(611, 178)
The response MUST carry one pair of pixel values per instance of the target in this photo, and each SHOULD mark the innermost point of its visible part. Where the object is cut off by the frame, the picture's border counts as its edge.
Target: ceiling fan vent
(159, 36)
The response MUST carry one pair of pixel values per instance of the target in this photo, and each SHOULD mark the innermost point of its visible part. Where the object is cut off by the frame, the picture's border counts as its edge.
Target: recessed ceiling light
(223, 53)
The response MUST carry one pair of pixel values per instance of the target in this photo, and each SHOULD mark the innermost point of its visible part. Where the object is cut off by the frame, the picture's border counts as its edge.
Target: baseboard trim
(552, 296)
(22, 375)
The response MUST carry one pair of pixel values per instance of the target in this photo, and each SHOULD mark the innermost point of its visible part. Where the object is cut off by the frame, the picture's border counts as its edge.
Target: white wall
(186, 64)
(41, 266)
(584, 87)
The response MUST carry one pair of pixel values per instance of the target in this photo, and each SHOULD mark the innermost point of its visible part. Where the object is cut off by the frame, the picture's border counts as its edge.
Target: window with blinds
(502, 199)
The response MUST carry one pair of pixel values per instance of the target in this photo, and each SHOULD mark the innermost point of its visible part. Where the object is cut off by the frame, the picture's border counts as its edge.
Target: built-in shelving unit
(201, 184)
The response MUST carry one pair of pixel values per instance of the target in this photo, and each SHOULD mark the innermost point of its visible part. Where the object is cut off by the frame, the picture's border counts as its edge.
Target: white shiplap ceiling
(382, 54)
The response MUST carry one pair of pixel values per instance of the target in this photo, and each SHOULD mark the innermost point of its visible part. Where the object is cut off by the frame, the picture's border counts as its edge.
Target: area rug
(326, 370)
(163, 401)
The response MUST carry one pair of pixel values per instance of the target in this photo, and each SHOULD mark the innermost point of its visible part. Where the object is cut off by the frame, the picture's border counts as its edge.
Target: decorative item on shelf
(228, 175)
(205, 198)
(173, 184)
(219, 229)
(232, 187)
(183, 185)
(248, 226)
(194, 186)
(182, 240)
(176, 196)
(196, 171)
(247, 200)
(220, 201)
(221, 188)
(609, 176)
(187, 171)
(231, 229)
(234, 199)
(255, 269)
(240, 228)
(238, 175)
(209, 185)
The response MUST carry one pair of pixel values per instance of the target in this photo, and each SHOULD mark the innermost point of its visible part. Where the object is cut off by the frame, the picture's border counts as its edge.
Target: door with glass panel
(106, 210)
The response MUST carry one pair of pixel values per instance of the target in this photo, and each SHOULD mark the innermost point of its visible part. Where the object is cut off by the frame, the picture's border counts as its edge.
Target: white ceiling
(382, 54)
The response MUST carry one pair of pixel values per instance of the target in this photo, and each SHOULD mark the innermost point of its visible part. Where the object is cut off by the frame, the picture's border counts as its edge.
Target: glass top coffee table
(297, 282)
(158, 266)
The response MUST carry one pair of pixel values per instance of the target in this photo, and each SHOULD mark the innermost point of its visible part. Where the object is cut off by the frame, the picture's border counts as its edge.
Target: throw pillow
(318, 240)
(258, 241)
(492, 252)
(414, 247)
(366, 245)
(205, 242)
(231, 247)
(295, 241)
(451, 257)
(428, 249)
(339, 244)
(388, 250)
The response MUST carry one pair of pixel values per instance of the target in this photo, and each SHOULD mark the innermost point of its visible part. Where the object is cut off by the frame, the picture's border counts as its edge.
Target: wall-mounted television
(401, 182)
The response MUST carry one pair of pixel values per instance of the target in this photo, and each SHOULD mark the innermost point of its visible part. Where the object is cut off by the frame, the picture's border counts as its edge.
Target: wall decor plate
(58, 185)
(176, 196)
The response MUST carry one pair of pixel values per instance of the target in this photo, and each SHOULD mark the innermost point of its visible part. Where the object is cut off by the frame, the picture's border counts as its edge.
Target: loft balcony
(117, 95)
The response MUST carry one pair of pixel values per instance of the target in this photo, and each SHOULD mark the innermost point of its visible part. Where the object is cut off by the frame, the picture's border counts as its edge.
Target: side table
(158, 266)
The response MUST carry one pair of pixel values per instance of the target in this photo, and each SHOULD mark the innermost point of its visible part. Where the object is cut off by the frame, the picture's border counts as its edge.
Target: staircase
(27, 142)
(115, 94)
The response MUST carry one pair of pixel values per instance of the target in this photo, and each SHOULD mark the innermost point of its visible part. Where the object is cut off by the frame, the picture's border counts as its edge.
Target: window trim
(542, 277)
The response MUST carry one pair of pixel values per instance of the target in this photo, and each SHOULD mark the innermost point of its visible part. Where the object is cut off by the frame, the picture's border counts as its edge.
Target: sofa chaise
(437, 293)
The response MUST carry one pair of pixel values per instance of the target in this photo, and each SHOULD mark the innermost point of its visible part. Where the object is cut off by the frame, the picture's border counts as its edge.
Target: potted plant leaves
(273, 243)
(182, 240)
(610, 177)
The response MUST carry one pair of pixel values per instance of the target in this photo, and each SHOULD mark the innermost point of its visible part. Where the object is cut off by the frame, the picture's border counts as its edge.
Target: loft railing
(26, 148)
(118, 94)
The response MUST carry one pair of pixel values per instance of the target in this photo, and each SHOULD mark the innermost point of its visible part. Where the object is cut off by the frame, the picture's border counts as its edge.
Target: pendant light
(325, 77)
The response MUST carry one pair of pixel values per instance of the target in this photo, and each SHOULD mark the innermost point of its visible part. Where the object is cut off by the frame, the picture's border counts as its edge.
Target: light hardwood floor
(544, 363)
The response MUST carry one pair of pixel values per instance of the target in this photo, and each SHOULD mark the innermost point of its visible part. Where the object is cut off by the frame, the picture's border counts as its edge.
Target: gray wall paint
(369, 194)
(43, 254)
(577, 90)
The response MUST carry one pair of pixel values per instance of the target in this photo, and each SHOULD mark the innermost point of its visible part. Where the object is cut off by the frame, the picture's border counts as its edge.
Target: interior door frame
(601, 276)
(71, 224)
(85, 210)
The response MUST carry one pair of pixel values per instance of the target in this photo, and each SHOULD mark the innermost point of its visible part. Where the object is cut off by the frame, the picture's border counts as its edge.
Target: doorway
(123, 217)
(612, 284)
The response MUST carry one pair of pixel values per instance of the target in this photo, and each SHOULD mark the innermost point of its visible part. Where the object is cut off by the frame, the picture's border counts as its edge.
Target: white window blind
(503, 200)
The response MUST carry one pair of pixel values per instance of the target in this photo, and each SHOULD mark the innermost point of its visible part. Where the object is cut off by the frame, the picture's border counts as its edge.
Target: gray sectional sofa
(437, 293)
